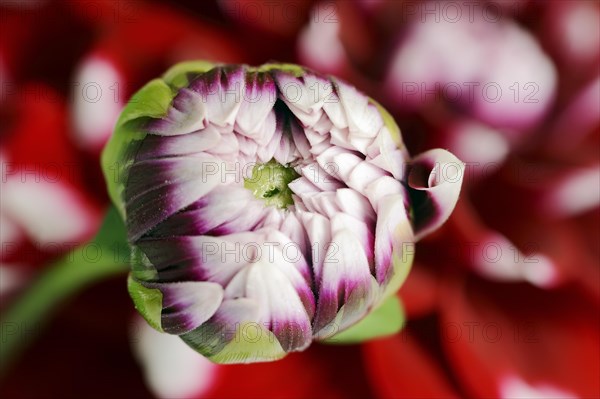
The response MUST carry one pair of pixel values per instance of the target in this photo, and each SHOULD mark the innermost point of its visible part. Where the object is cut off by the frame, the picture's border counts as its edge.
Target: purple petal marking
(282, 309)
(157, 189)
(206, 258)
(212, 336)
(223, 258)
(175, 259)
(153, 147)
(435, 178)
(220, 207)
(186, 305)
(221, 90)
(259, 98)
(346, 281)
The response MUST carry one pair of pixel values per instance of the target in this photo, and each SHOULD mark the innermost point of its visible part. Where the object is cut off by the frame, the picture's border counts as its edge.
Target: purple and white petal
(257, 102)
(186, 114)
(346, 281)
(380, 188)
(364, 119)
(227, 147)
(386, 154)
(186, 305)
(435, 179)
(157, 189)
(355, 204)
(223, 328)
(297, 238)
(281, 308)
(220, 207)
(338, 162)
(221, 90)
(173, 146)
(335, 110)
(304, 96)
(318, 229)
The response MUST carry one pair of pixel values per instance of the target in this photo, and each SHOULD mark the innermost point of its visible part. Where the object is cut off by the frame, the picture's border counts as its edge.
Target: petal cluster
(267, 207)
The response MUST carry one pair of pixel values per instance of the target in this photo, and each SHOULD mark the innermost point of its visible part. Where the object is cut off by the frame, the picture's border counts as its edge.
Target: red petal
(399, 367)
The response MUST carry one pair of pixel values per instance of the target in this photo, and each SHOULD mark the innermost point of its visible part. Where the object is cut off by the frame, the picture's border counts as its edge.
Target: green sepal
(151, 101)
(178, 75)
(390, 123)
(249, 343)
(262, 347)
(112, 234)
(293, 69)
(147, 301)
(402, 259)
(385, 320)
(141, 267)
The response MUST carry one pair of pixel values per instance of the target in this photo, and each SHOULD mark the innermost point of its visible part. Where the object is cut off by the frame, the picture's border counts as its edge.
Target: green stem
(96, 260)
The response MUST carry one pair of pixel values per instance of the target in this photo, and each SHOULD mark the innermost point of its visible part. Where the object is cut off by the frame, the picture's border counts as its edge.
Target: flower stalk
(84, 265)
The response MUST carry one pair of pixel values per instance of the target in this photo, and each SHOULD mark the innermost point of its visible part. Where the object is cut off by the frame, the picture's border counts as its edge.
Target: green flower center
(269, 182)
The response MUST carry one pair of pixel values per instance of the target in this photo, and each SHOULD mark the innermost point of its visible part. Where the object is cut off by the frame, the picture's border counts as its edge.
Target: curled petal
(435, 179)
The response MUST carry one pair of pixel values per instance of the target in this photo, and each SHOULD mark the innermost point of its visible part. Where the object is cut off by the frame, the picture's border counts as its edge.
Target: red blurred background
(503, 301)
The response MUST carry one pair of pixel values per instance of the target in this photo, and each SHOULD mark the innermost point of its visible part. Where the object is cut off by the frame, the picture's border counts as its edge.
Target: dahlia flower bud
(267, 207)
